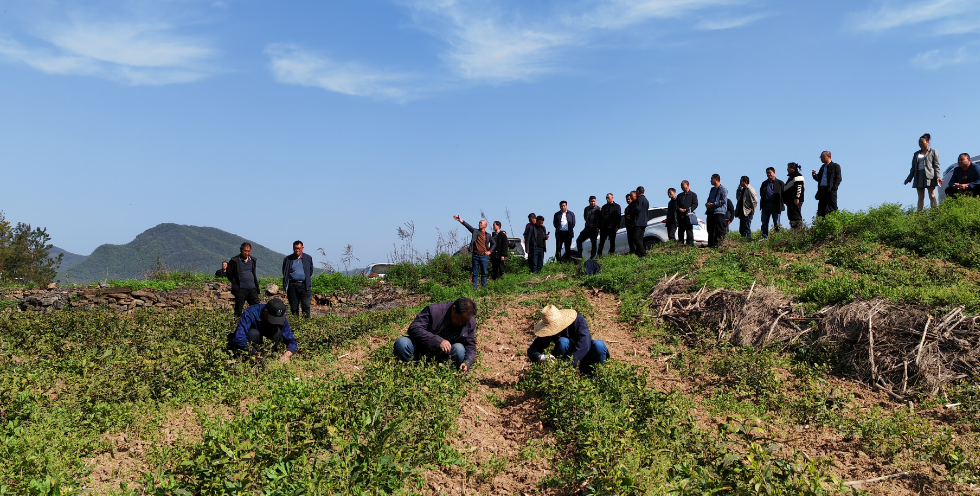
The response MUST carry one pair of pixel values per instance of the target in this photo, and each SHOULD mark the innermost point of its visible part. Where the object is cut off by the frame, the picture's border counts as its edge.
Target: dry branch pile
(757, 317)
(900, 349)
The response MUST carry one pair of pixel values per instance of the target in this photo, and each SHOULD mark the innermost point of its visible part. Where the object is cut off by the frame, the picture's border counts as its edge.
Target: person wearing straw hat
(442, 331)
(570, 334)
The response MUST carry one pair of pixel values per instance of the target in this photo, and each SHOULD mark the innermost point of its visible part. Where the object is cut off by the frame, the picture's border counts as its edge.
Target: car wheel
(649, 243)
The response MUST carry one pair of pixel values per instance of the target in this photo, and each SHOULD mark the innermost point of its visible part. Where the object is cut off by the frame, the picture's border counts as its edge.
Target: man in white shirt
(564, 224)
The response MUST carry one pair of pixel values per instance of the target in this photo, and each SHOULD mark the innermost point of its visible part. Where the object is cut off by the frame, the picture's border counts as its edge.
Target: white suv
(656, 232)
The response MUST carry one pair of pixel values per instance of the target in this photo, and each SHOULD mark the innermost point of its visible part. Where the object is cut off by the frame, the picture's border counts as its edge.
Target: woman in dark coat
(926, 172)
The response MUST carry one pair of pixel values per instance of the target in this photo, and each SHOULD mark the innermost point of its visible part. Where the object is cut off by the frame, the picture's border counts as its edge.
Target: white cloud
(893, 15)
(490, 42)
(130, 53)
(730, 23)
(937, 59)
(616, 14)
(293, 65)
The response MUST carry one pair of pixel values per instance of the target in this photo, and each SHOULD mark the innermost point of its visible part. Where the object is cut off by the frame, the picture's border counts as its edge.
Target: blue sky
(336, 121)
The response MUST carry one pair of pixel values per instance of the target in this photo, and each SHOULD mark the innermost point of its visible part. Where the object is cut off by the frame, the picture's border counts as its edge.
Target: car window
(515, 246)
(622, 221)
(380, 269)
(657, 212)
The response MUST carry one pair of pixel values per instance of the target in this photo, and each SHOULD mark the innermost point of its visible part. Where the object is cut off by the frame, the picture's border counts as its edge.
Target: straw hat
(554, 321)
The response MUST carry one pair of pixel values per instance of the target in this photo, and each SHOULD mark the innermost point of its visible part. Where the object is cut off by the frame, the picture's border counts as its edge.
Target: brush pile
(900, 349)
(758, 317)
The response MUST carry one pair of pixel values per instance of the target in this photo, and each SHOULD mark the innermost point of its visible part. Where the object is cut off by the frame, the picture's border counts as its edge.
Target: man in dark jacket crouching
(440, 332)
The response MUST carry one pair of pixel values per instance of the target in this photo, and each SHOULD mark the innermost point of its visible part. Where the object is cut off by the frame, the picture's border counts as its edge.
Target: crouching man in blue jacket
(442, 331)
(261, 322)
(570, 334)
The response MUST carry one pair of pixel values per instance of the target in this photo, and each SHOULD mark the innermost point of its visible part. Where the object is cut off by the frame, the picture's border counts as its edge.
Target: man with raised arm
(440, 332)
(481, 246)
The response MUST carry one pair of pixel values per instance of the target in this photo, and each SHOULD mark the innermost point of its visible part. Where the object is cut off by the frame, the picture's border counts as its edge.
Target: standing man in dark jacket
(532, 220)
(244, 278)
(770, 201)
(481, 246)
(297, 279)
(641, 209)
(628, 215)
(538, 245)
(499, 254)
(671, 219)
(717, 211)
(793, 192)
(828, 180)
(564, 223)
(747, 201)
(611, 217)
(223, 271)
(687, 203)
(442, 331)
(593, 217)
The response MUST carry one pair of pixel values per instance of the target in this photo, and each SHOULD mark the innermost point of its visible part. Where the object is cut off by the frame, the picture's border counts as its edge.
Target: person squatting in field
(569, 332)
(261, 322)
(481, 246)
(440, 332)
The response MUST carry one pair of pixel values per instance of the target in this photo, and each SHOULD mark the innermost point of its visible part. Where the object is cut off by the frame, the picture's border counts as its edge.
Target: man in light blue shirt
(717, 211)
(297, 279)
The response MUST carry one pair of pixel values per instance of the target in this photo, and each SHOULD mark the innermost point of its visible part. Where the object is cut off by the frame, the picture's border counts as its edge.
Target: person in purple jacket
(440, 332)
(570, 334)
(261, 322)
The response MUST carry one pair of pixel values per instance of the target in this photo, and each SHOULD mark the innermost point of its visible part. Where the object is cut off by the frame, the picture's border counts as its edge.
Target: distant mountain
(68, 260)
(201, 249)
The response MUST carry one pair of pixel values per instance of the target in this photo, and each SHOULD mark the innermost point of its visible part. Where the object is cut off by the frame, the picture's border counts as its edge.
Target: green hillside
(177, 246)
(68, 259)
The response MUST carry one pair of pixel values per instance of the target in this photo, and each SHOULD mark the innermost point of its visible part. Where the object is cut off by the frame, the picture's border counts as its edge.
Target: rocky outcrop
(209, 295)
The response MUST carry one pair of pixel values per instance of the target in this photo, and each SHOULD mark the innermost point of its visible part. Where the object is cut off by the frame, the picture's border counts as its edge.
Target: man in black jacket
(244, 278)
(223, 271)
(297, 279)
(611, 217)
(499, 254)
(671, 220)
(641, 209)
(770, 201)
(628, 215)
(687, 203)
(593, 218)
(828, 180)
(793, 193)
(564, 223)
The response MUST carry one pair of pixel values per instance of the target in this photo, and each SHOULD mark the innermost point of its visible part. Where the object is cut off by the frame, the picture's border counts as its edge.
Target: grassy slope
(72, 381)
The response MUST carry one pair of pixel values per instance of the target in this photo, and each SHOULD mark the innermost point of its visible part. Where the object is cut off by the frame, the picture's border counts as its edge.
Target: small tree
(25, 253)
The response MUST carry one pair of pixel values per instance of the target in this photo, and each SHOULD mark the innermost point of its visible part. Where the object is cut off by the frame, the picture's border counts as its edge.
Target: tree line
(25, 254)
